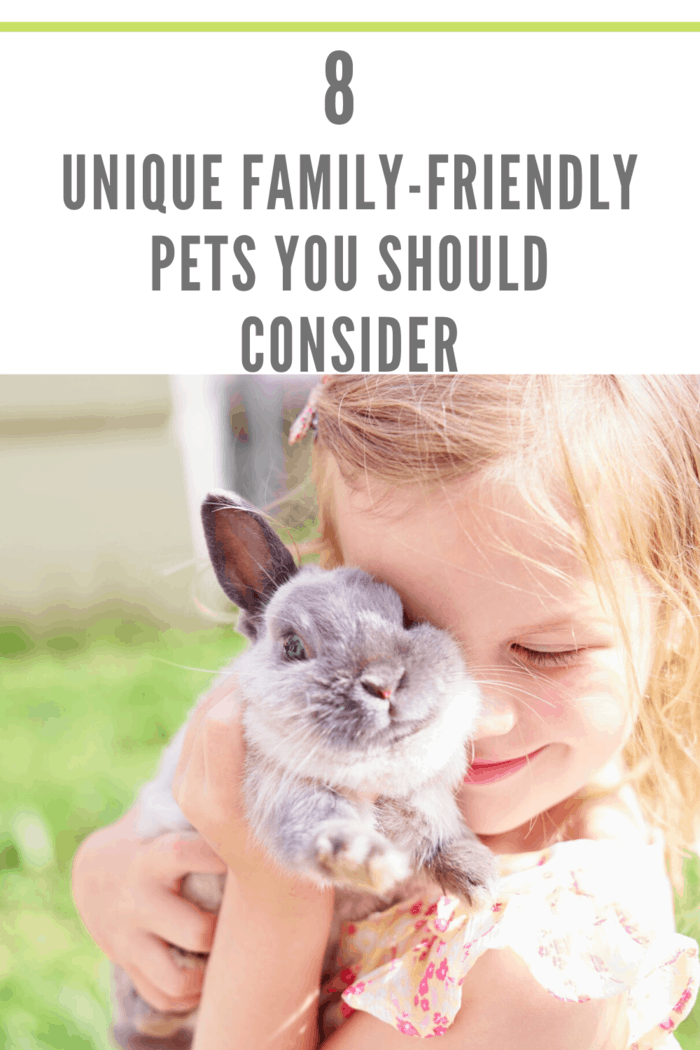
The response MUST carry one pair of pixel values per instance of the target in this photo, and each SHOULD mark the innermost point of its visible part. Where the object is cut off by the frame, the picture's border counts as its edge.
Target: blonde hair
(634, 440)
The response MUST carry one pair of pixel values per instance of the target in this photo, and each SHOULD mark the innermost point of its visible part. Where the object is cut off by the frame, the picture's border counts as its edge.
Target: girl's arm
(262, 979)
(261, 989)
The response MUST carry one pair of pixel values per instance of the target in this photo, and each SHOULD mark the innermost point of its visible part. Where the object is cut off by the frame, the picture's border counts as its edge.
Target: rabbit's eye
(294, 648)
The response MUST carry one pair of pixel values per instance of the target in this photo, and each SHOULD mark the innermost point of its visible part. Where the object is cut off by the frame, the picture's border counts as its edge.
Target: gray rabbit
(356, 726)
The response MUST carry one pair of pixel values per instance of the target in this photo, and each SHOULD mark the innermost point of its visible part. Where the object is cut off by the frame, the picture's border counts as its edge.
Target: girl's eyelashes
(544, 658)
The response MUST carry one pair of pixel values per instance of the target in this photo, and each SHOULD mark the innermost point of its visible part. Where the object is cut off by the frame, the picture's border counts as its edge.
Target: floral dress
(579, 915)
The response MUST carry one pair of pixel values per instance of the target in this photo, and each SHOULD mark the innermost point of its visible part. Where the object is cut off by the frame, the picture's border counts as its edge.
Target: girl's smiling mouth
(485, 772)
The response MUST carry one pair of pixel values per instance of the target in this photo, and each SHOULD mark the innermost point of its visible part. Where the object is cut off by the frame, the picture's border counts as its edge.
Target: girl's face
(544, 649)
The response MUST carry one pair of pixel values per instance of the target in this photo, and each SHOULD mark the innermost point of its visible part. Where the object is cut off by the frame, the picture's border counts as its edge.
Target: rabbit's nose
(375, 689)
(383, 684)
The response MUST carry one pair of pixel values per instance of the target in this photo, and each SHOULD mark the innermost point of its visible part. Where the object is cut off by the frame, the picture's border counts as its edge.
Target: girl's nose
(497, 718)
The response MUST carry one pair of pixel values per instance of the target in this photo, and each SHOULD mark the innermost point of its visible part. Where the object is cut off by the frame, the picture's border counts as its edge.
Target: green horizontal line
(349, 27)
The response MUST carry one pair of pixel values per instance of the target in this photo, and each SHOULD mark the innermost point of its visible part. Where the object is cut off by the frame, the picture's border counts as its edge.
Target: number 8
(339, 86)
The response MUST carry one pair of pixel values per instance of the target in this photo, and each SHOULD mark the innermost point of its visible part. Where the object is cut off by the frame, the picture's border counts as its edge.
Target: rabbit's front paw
(349, 852)
(467, 868)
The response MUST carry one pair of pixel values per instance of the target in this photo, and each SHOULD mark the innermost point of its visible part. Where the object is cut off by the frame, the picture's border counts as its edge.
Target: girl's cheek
(550, 704)
(590, 702)
(588, 696)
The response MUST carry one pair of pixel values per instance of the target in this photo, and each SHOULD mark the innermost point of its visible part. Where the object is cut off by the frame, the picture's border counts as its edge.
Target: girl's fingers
(188, 785)
(178, 853)
(224, 754)
(180, 922)
(217, 694)
(157, 998)
(188, 781)
(191, 731)
(156, 964)
(206, 782)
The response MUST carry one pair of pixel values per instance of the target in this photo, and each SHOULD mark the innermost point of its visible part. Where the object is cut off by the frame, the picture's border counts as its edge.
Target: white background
(334, 10)
(622, 287)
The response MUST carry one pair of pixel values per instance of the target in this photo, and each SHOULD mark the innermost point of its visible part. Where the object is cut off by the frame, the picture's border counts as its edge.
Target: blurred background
(103, 477)
(110, 626)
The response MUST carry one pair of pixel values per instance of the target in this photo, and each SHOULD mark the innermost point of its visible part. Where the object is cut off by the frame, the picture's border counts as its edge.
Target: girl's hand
(126, 890)
(262, 979)
(207, 788)
(207, 781)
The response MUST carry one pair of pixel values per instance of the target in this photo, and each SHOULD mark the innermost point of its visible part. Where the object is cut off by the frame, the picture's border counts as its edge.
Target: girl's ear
(249, 560)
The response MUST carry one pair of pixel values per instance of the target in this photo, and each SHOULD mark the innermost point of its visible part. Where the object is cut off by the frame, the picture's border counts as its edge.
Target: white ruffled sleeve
(577, 916)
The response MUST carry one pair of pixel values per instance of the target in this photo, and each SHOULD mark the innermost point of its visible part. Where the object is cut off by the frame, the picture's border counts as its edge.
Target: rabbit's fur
(356, 727)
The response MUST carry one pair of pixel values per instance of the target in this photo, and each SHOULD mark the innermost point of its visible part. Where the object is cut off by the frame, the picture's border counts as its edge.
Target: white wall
(93, 504)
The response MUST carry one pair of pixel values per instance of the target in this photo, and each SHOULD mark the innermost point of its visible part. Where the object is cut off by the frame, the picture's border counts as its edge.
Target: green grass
(688, 922)
(85, 714)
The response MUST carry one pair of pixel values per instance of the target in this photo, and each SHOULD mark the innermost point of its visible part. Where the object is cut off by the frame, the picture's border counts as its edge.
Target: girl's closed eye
(548, 657)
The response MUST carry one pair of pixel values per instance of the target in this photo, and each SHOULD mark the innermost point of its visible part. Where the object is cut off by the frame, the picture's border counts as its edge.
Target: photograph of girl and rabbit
(111, 625)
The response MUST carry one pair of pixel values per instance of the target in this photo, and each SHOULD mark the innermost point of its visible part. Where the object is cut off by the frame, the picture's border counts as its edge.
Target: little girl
(552, 525)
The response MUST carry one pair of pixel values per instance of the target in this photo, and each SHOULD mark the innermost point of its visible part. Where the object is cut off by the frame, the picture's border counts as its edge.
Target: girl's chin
(533, 830)
(510, 809)
(521, 823)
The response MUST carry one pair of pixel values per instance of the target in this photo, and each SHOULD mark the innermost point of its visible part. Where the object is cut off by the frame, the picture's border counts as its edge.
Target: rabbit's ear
(249, 560)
